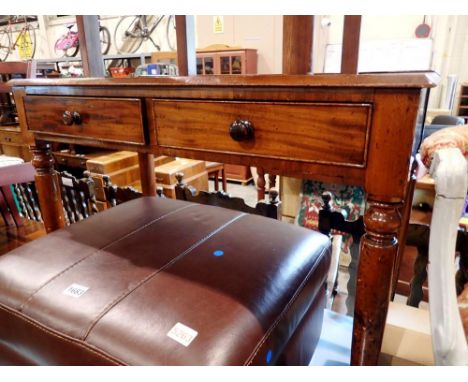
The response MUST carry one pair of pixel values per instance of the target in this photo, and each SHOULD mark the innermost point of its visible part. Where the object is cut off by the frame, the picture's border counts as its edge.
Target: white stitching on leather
(61, 336)
(97, 251)
(108, 307)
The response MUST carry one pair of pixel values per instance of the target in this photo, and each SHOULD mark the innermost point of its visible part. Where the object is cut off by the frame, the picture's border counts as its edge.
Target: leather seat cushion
(160, 282)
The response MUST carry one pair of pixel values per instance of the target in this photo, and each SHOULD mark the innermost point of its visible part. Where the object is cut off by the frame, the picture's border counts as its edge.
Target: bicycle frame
(144, 26)
(22, 31)
(70, 40)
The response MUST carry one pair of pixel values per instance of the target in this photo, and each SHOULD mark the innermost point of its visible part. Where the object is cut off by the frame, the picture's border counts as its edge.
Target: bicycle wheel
(105, 38)
(5, 44)
(171, 33)
(128, 34)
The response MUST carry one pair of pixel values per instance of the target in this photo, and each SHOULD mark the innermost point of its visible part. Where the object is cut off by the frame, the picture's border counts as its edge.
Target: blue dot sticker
(269, 356)
(218, 253)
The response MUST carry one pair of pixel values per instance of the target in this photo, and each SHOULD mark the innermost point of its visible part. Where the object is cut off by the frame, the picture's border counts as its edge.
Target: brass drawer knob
(241, 130)
(69, 118)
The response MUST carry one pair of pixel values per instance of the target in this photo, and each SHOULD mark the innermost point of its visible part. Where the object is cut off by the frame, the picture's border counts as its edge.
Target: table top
(396, 80)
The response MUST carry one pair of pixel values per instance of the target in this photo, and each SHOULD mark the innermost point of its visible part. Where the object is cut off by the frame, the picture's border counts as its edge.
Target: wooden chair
(216, 170)
(78, 197)
(117, 195)
(272, 209)
(331, 220)
(21, 178)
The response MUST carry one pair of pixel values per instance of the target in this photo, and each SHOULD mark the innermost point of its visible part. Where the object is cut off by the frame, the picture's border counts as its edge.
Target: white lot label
(182, 334)
(67, 182)
(75, 290)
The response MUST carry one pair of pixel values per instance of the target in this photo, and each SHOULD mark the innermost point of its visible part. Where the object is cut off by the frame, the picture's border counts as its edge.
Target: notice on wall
(385, 56)
(218, 24)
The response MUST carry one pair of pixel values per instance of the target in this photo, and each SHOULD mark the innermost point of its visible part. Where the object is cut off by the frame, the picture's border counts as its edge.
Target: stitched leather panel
(111, 273)
(242, 282)
(258, 290)
(52, 254)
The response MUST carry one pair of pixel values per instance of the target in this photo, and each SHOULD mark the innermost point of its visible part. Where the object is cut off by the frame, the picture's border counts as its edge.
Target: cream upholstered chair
(410, 331)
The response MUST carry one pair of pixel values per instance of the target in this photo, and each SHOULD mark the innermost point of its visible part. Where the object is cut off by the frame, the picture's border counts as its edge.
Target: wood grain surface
(333, 133)
(108, 119)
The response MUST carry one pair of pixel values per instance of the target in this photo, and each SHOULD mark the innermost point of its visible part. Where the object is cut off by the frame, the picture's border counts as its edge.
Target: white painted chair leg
(332, 277)
(449, 171)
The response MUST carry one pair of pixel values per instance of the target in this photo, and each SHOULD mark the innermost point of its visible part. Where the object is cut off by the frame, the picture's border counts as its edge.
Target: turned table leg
(48, 187)
(378, 252)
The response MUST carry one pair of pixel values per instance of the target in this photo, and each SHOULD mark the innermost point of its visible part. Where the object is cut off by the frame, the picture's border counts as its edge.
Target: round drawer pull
(241, 130)
(69, 118)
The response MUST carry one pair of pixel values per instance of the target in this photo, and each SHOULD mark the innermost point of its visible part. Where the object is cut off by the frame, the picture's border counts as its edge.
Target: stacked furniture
(11, 140)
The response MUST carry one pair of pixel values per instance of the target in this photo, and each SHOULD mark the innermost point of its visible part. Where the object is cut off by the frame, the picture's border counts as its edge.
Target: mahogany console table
(352, 129)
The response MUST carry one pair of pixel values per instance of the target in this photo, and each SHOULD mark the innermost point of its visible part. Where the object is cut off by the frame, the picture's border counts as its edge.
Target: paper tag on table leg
(182, 334)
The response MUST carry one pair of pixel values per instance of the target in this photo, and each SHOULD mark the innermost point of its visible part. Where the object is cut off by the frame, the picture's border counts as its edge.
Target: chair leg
(351, 286)
(260, 183)
(10, 201)
(216, 185)
(223, 178)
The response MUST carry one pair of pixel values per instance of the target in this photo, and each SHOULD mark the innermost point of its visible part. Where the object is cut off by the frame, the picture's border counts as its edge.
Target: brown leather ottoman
(165, 282)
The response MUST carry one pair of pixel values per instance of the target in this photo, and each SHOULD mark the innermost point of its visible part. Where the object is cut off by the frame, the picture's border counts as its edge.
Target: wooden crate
(194, 171)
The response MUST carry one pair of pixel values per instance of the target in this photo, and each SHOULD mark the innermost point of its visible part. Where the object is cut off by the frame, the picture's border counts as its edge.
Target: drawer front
(309, 132)
(11, 137)
(69, 161)
(107, 119)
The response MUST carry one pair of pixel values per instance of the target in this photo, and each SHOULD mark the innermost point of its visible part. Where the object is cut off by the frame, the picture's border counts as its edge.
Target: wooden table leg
(48, 187)
(378, 252)
(147, 176)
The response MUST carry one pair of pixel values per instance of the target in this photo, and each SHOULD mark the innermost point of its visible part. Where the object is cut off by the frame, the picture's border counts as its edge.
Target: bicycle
(68, 45)
(26, 40)
(131, 31)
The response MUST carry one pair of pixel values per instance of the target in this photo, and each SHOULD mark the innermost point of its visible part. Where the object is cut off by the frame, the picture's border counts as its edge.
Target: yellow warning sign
(25, 45)
(218, 24)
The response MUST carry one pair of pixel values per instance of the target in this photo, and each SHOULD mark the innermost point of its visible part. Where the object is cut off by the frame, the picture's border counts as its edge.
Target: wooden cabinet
(463, 104)
(11, 143)
(227, 61)
(217, 59)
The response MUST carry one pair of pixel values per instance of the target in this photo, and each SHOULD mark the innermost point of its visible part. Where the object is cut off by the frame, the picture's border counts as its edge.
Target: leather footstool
(165, 282)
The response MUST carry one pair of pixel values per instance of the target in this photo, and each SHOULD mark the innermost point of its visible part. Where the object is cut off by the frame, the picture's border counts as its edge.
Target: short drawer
(11, 137)
(309, 132)
(70, 161)
(106, 119)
